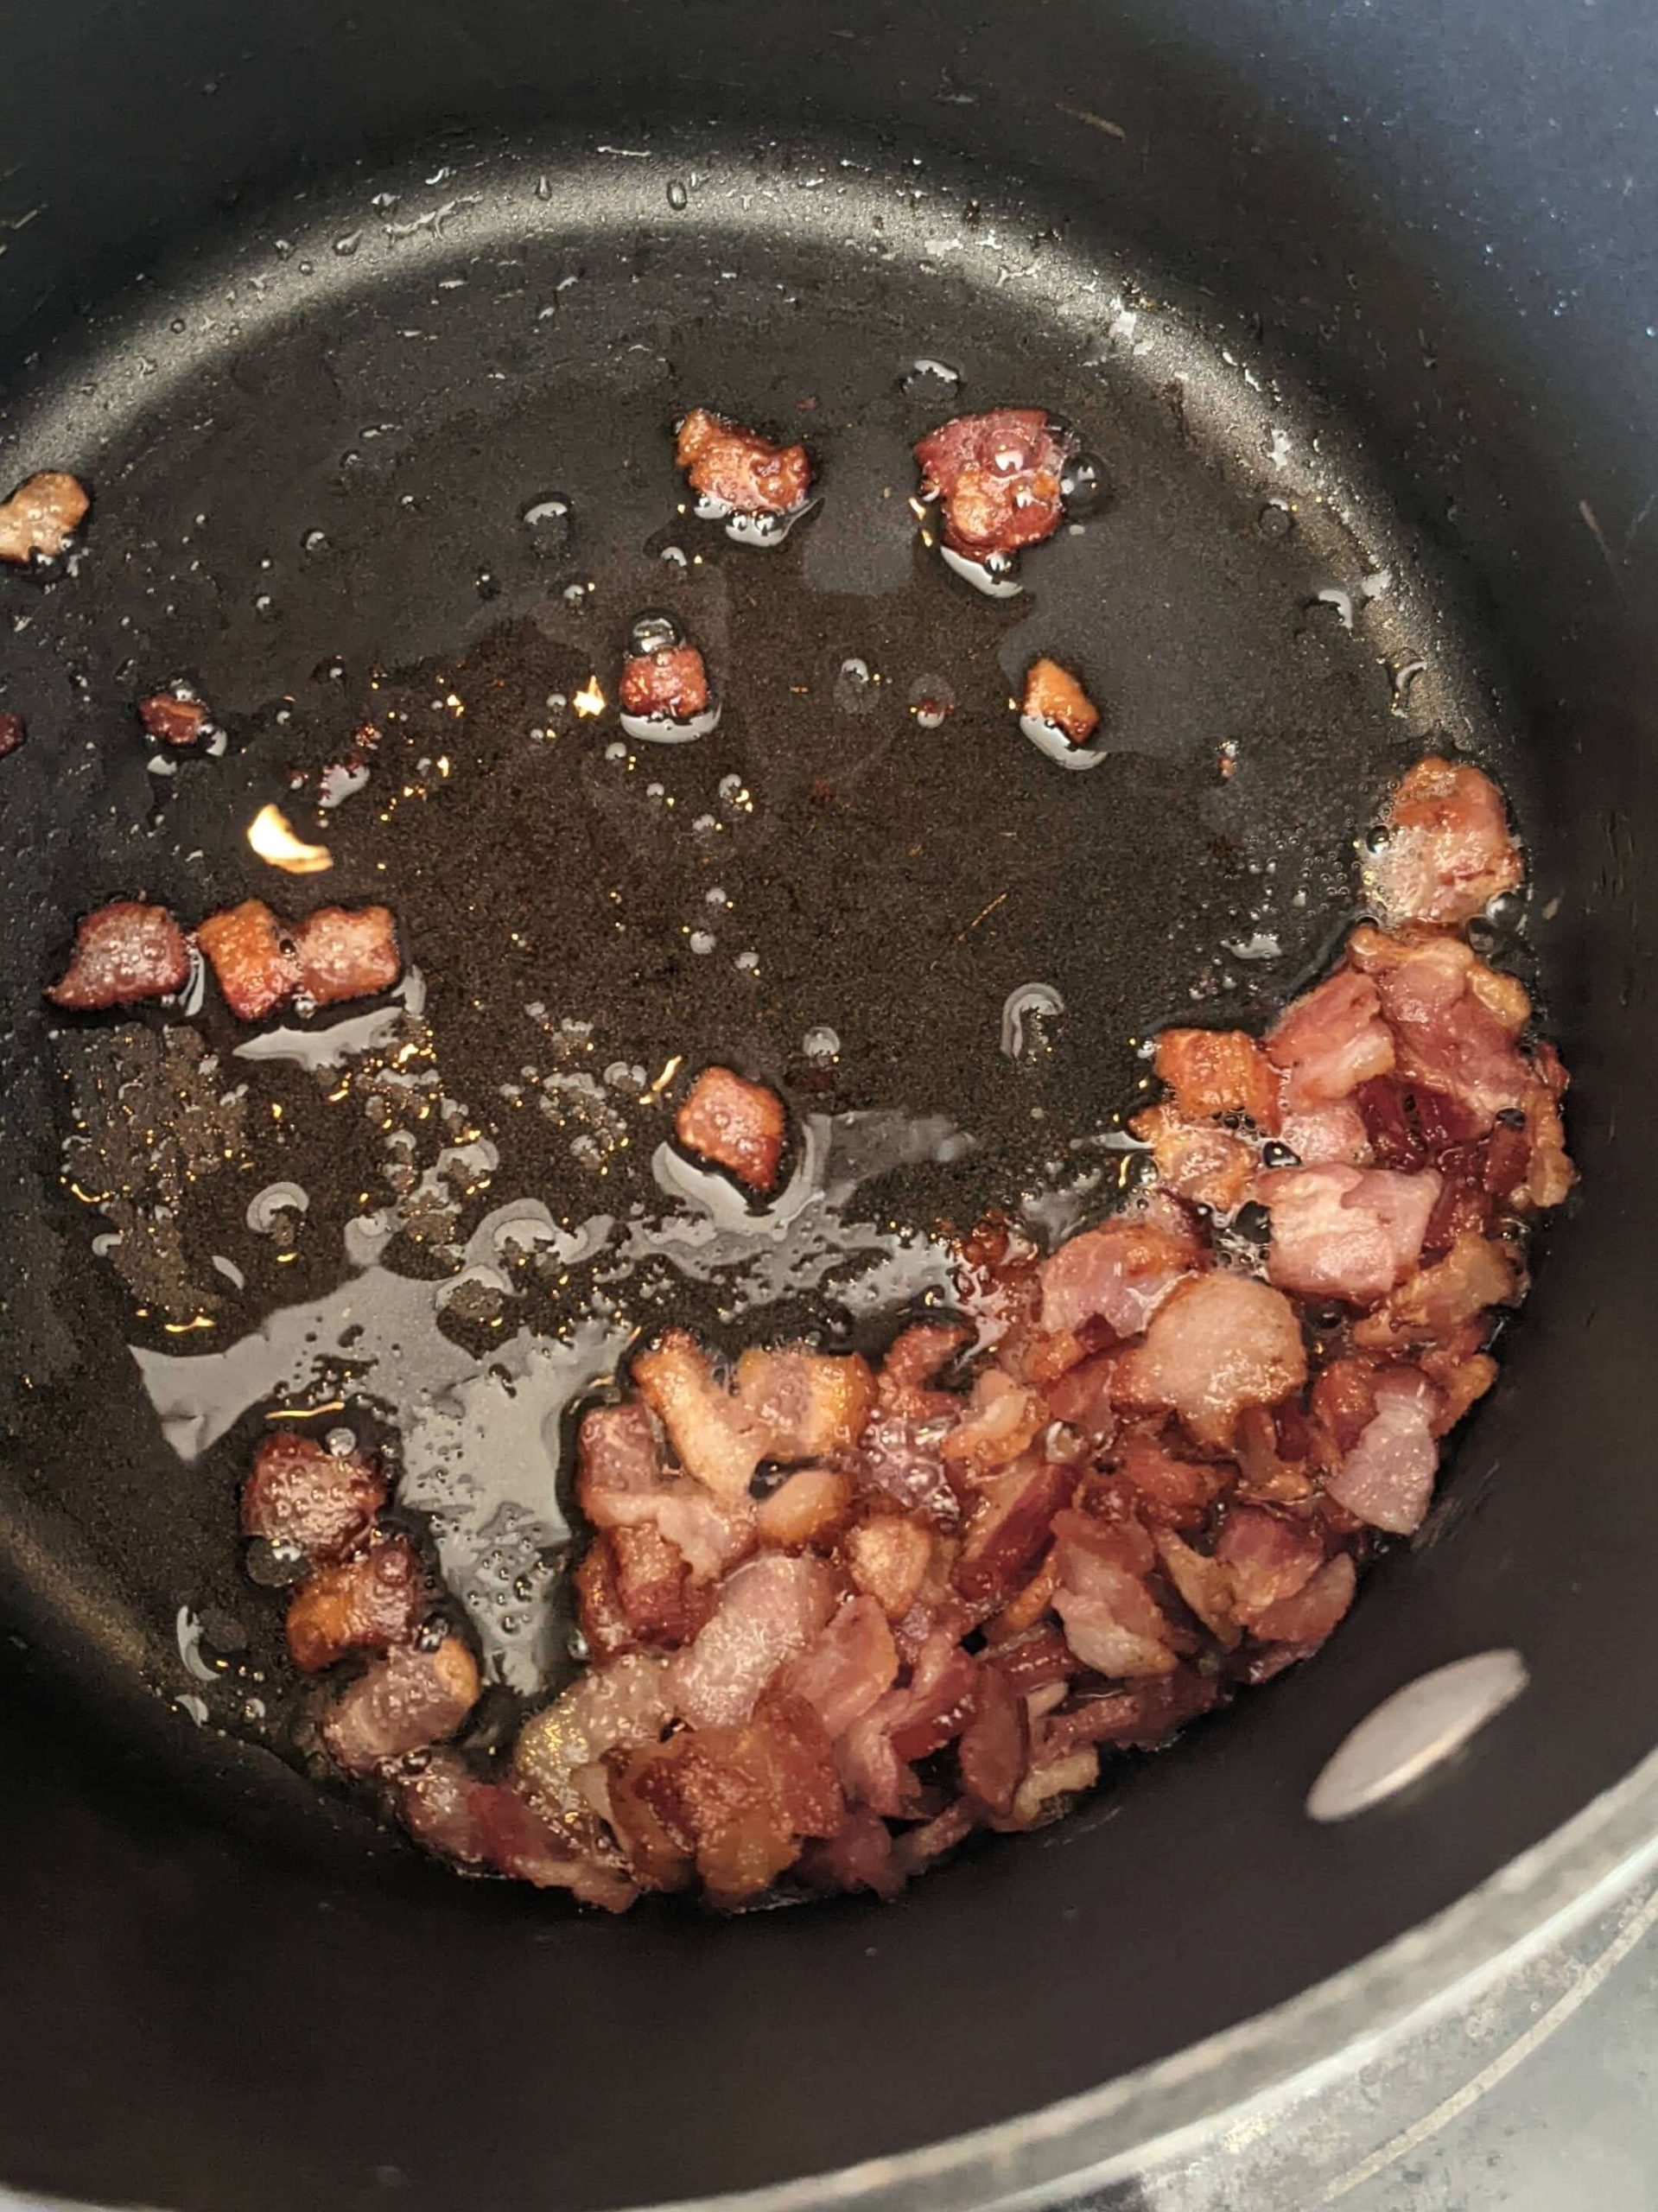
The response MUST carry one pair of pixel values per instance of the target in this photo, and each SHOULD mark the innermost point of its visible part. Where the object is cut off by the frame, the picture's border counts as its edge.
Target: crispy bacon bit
(717, 1440)
(810, 1404)
(1330, 1135)
(998, 477)
(1054, 696)
(1454, 1019)
(734, 1124)
(1307, 1617)
(1112, 1622)
(12, 733)
(1119, 1273)
(246, 949)
(1346, 1232)
(673, 684)
(1206, 1165)
(172, 717)
(1329, 1041)
(520, 1840)
(859, 1857)
(1215, 1071)
(738, 469)
(407, 1700)
(622, 1483)
(1008, 1527)
(439, 1808)
(40, 517)
(123, 952)
(365, 1604)
(302, 1497)
(808, 1507)
(888, 1556)
(346, 953)
(1387, 1476)
(1223, 1342)
(1266, 1558)
(624, 1706)
(1475, 1274)
(1448, 851)
(913, 1366)
(850, 1665)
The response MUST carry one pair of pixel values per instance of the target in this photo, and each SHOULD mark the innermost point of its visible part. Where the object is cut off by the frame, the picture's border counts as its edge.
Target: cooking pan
(1350, 306)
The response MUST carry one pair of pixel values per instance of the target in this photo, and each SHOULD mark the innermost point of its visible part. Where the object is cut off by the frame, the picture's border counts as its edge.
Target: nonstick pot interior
(225, 1991)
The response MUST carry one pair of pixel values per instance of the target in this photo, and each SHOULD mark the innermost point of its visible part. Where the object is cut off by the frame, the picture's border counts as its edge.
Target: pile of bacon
(837, 1615)
(128, 951)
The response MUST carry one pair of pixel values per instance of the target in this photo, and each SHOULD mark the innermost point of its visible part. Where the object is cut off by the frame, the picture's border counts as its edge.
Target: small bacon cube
(998, 476)
(406, 1700)
(1215, 1071)
(739, 468)
(346, 953)
(734, 1124)
(673, 684)
(40, 515)
(300, 1496)
(1053, 696)
(12, 733)
(172, 717)
(365, 1604)
(246, 949)
(123, 952)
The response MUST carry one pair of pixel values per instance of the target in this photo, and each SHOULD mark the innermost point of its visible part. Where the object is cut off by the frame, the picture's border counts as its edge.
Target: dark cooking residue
(839, 1612)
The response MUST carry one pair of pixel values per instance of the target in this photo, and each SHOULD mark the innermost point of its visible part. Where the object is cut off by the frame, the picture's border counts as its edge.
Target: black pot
(1436, 229)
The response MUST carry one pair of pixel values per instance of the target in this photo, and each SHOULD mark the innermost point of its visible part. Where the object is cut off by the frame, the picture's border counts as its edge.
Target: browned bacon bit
(673, 684)
(41, 515)
(1216, 1071)
(738, 469)
(302, 1497)
(999, 478)
(123, 952)
(12, 733)
(403, 1702)
(172, 717)
(734, 1124)
(346, 953)
(365, 1604)
(1448, 852)
(1053, 694)
(247, 950)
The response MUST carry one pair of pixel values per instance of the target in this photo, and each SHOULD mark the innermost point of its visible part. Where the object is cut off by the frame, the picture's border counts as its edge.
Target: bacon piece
(1036, 1658)
(912, 1364)
(1204, 1585)
(1223, 1342)
(888, 1556)
(735, 1804)
(673, 683)
(439, 1808)
(1330, 1040)
(621, 1483)
(1119, 1273)
(346, 953)
(303, 1497)
(599, 1604)
(1053, 694)
(246, 950)
(12, 733)
(1140, 1718)
(717, 1441)
(1009, 1523)
(1331, 1136)
(851, 1664)
(921, 1847)
(770, 1608)
(810, 1404)
(1200, 1163)
(40, 516)
(1474, 1274)
(405, 1700)
(1170, 1492)
(938, 1702)
(896, 1460)
(1002, 1417)
(1308, 1617)
(1454, 1019)
(1266, 1558)
(1387, 1479)
(1055, 1780)
(1215, 1071)
(172, 717)
(123, 952)
(1112, 1622)
(519, 1841)
(859, 1856)
(623, 1706)
(1346, 1232)
(734, 1124)
(808, 1507)
(365, 1604)
(664, 1605)
(1448, 851)
(739, 468)
(1081, 1399)
(999, 476)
